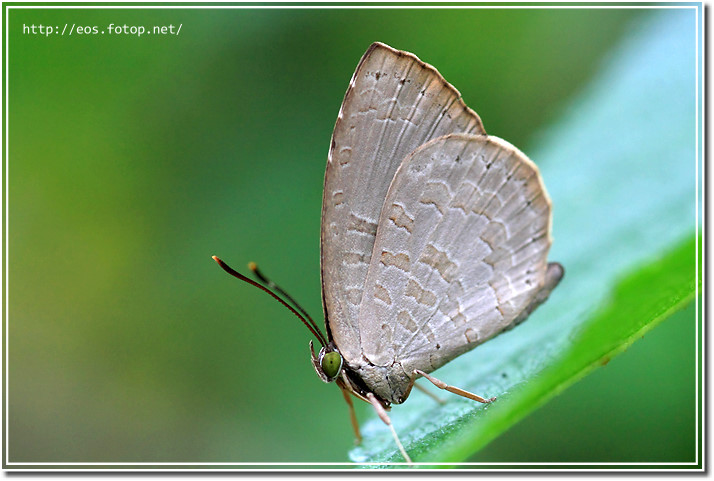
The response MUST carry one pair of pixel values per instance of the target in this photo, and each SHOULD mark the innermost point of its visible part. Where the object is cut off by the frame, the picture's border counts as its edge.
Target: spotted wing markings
(399, 260)
(355, 258)
(354, 296)
(338, 197)
(436, 194)
(421, 295)
(449, 308)
(440, 262)
(406, 320)
(471, 335)
(510, 289)
(461, 321)
(429, 333)
(452, 310)
(494, 235)
(462, 199)
(363, 226)
(502, 182)
(450, 302)
(439, 194)
(496, 232)
(400, 218)
(382, 294)
(345, 155)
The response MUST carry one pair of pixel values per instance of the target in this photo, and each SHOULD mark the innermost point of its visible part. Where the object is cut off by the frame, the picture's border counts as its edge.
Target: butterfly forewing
(394, 104)
(460, 251)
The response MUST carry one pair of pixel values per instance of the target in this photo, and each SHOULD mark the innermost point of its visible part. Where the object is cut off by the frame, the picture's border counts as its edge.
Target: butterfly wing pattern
(435, 235)
(394, 104)
(465, 256)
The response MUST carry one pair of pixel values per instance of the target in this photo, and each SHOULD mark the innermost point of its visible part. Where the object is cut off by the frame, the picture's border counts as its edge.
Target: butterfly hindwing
(460, 252)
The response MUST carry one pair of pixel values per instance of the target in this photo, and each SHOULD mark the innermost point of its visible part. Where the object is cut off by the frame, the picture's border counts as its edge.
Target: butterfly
(434, 237)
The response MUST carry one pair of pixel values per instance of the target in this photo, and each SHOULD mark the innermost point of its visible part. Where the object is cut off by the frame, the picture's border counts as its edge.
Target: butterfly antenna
(316, 332)
(272, 285)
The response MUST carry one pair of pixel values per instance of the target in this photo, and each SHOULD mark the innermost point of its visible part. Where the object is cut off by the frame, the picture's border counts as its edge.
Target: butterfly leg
(383, 416)
(429, 393)
(455, 390)
(353, 417)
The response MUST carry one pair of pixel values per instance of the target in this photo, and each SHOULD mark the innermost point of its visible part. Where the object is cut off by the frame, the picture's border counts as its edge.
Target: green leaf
(621, 168)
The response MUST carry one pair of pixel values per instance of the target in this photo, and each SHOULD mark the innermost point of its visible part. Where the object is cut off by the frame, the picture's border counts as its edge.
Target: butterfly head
(328, 363)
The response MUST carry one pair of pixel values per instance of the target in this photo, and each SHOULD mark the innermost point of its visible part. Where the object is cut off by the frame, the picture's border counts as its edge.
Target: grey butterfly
(435, 235)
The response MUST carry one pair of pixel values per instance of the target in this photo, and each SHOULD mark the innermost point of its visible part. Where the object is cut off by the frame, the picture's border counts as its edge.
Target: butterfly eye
(331, 364)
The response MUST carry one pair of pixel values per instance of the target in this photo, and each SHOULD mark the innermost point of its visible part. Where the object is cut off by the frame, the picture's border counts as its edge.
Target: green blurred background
(133, 159)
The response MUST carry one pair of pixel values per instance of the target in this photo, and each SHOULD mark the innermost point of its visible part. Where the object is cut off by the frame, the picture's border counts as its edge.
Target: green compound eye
(331, 364)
